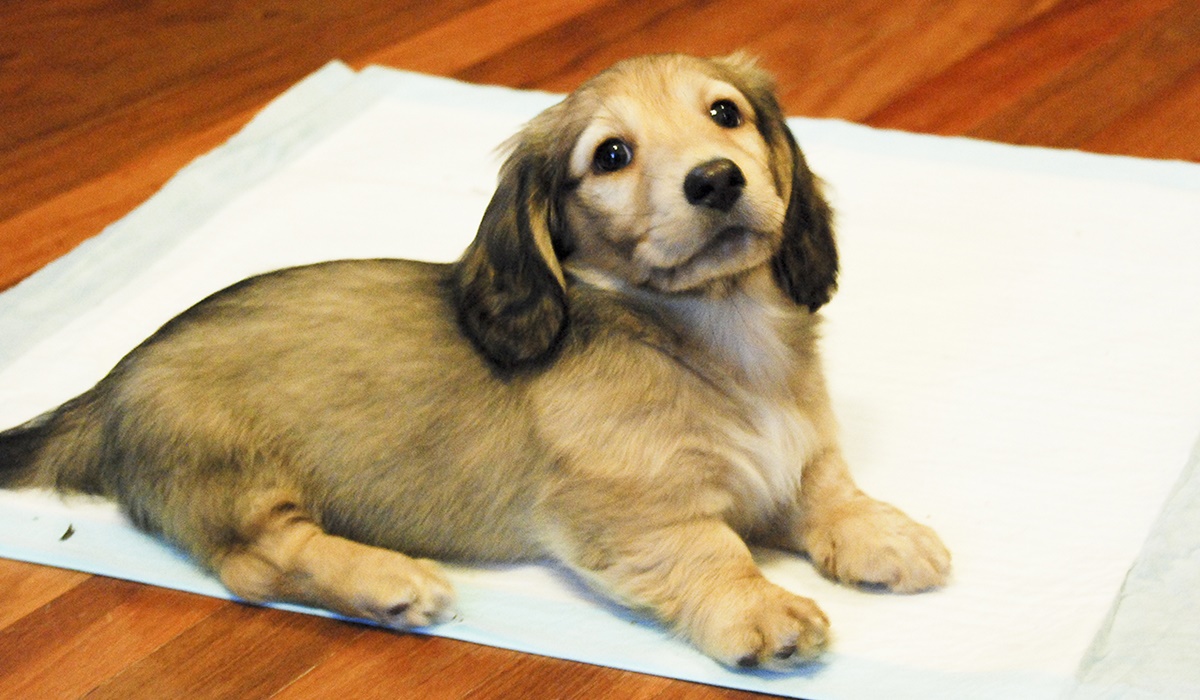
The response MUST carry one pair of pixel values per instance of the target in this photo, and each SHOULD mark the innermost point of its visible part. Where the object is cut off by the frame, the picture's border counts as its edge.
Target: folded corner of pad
(1149, 645)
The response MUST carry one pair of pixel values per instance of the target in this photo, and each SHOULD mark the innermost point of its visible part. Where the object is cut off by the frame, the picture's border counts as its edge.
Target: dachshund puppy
(620, 373)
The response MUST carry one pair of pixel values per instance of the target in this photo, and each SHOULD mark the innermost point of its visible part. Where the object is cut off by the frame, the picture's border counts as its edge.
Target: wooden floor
(100, 102)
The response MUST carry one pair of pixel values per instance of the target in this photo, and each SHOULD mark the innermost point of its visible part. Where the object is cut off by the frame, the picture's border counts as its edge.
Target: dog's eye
(612, 155)
(726, 113)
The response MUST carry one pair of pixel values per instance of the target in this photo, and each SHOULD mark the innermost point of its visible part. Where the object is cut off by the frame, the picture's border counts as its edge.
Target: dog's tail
(62, 449)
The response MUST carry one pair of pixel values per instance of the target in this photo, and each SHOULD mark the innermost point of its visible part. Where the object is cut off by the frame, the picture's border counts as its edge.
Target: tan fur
(614, 375)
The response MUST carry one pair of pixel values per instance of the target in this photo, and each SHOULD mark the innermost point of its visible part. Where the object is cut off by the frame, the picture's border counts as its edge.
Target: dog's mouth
(734, 249)
(728, 242)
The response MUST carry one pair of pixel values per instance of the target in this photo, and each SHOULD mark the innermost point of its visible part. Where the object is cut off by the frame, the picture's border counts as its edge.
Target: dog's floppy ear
(509, 287)
(806, 265)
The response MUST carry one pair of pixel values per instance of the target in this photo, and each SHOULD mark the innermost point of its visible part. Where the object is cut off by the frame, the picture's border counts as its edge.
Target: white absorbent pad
(1014, 354)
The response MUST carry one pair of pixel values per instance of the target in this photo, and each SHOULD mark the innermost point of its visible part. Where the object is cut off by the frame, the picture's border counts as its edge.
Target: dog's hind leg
(225, 489)
(282, 554)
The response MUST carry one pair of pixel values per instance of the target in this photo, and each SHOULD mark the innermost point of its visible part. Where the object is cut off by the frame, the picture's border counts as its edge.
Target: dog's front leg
(692, 572)
(856, 539)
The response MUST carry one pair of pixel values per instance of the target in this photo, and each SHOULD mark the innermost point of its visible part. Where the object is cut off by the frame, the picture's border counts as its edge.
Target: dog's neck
(742, 326)
(746, 324)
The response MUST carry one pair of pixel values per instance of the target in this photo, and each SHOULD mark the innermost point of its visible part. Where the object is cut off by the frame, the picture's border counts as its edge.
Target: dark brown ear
(807, 263)
(508, 286)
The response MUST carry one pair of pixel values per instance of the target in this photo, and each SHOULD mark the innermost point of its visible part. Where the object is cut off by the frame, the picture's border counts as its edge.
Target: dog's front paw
(760, 625)
(867, 542)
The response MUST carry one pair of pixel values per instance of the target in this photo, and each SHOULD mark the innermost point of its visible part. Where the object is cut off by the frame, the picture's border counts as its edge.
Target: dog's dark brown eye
(612, 155)
(726, 113)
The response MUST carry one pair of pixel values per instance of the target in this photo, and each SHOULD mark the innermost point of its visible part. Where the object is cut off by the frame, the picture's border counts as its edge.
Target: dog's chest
(758, 352)
(765, 457)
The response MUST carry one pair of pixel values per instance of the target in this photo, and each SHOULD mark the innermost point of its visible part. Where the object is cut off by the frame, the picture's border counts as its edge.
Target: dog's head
(670, 174)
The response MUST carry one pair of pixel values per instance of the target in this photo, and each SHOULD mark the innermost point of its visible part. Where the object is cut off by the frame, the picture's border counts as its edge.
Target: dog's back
(343, 387)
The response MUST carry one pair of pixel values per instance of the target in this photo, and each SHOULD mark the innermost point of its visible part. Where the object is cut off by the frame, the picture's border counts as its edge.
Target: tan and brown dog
(621, 373)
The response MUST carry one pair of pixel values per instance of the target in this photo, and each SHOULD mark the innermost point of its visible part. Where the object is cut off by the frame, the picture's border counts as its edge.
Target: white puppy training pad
(1014, 354)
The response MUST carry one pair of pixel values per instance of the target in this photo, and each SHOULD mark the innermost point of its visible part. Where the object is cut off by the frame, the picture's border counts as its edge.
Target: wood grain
(90, 633)
(27, 587)
(236, 652)
(1027, 60)
(102, 101)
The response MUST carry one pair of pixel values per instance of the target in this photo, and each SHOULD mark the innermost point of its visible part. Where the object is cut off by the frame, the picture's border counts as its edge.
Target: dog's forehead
(662, 88)
(655, 99)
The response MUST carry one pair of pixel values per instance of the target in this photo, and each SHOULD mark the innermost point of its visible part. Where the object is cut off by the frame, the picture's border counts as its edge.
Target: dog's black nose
(716, 184)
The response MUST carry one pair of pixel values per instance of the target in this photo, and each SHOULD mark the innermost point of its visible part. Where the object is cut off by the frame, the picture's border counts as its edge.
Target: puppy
(620, 373)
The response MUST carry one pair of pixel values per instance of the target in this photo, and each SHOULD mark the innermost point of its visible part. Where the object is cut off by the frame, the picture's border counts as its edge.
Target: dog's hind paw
(300, 563)
(398, 592)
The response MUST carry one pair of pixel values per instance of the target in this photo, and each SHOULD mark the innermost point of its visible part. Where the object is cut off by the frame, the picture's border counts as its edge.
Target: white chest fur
(766, 460)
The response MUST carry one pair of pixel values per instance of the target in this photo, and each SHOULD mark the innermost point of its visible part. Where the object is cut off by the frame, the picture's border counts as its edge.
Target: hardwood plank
(496, 28)
(39, 640)
(381, 665)
(1026, 58)
(703, 29)
(541, 678)
(239, 651)
(471, 666)
(88, 634)
(436, 668)
(168, 69)
(1145, 61)
(864, 54)
(633, 686)
(26, 587)
(1153, 128)
(569, 46)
